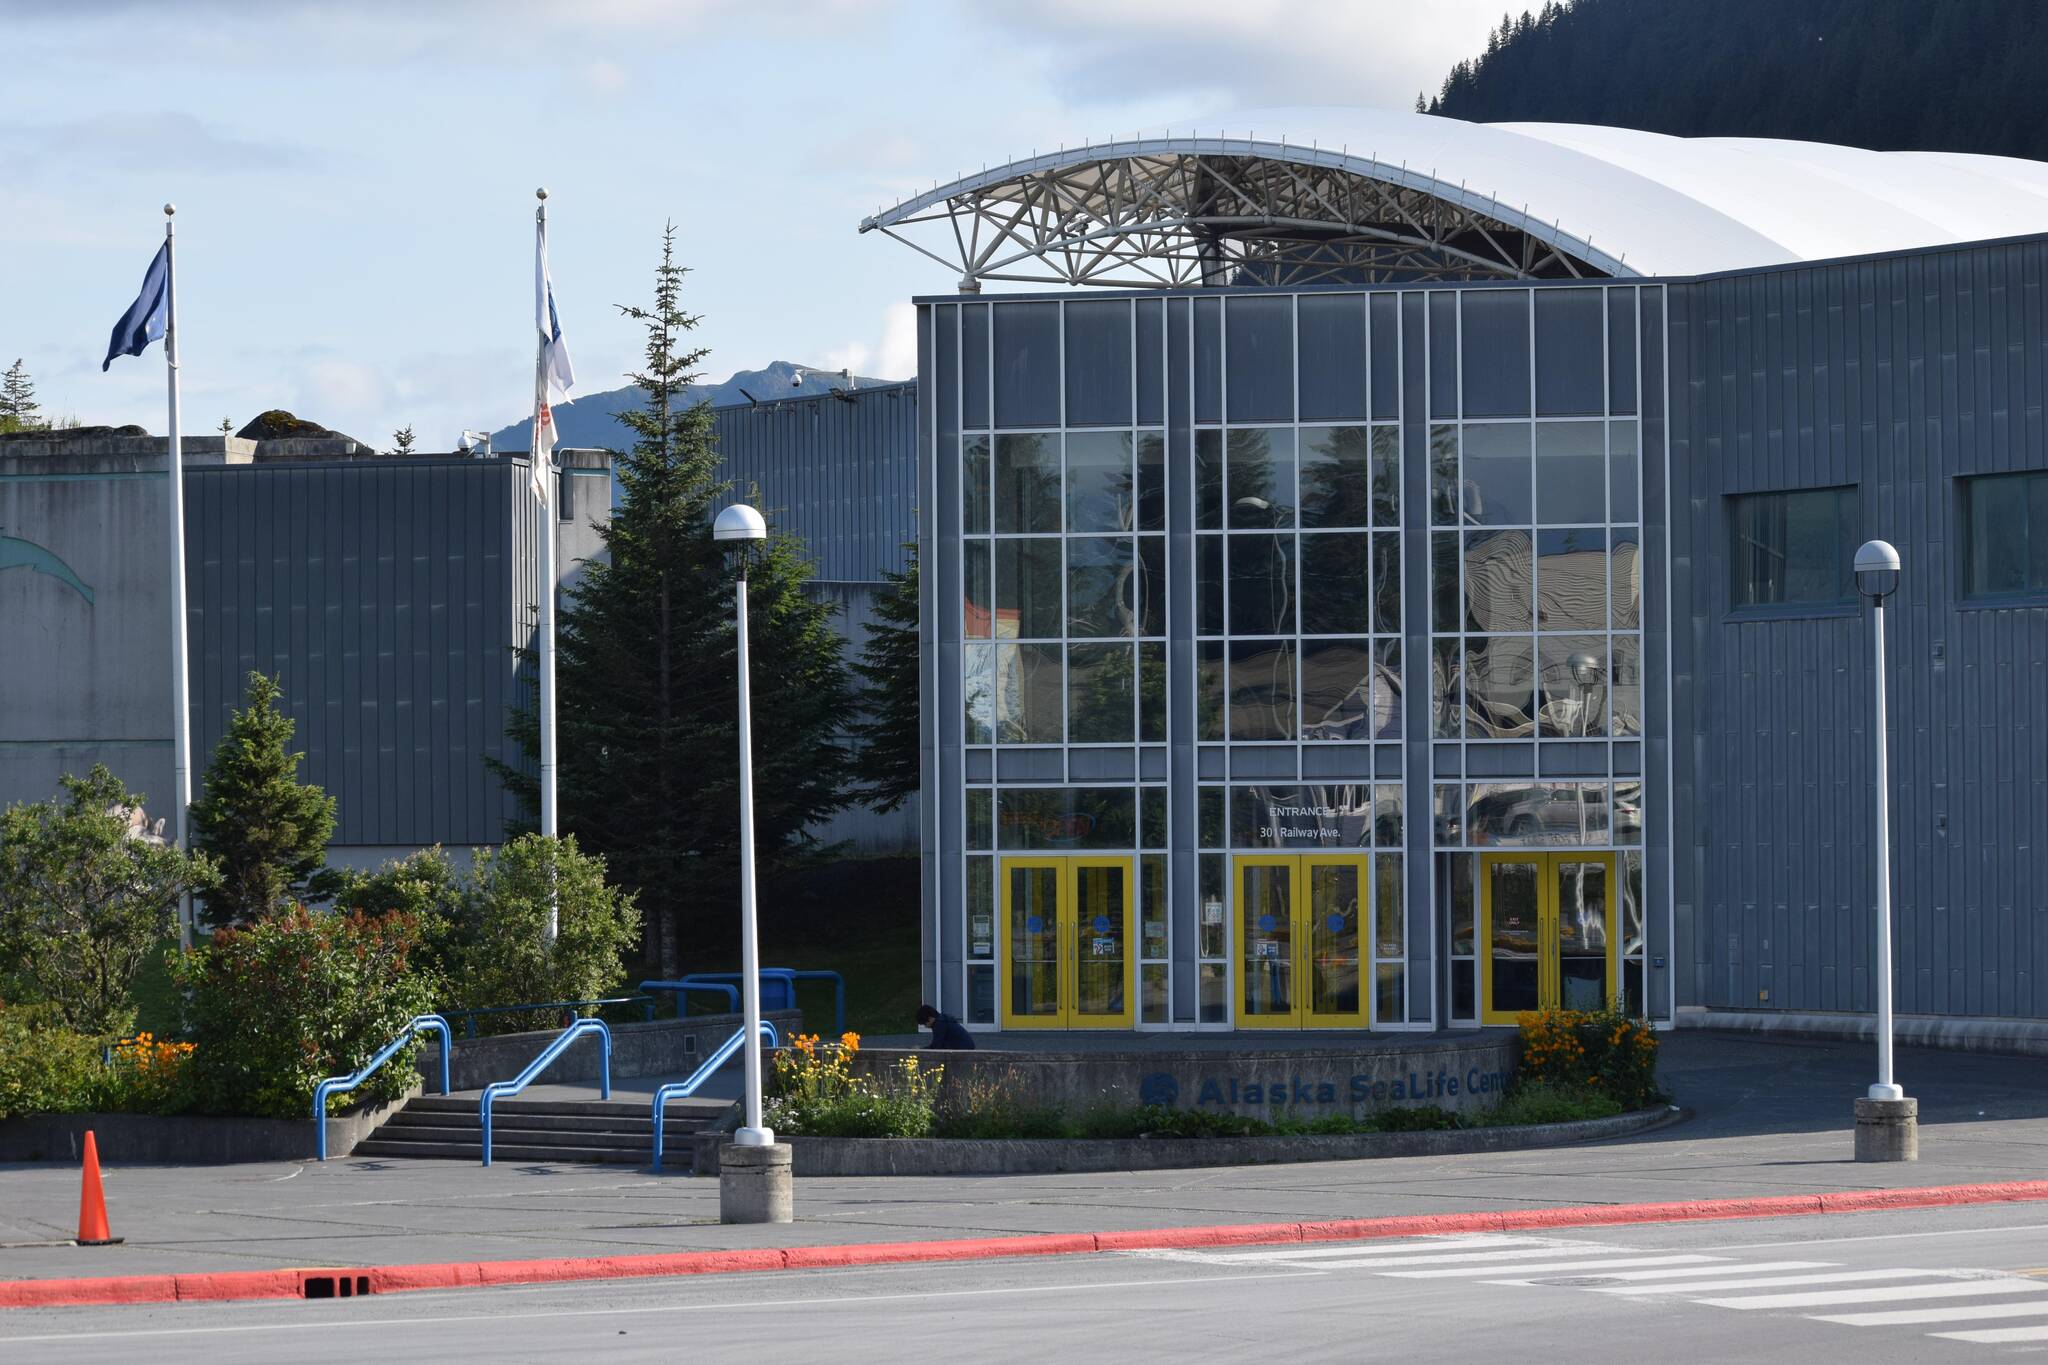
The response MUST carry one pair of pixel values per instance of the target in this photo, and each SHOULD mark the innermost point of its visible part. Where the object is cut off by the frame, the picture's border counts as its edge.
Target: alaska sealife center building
(1395, 576)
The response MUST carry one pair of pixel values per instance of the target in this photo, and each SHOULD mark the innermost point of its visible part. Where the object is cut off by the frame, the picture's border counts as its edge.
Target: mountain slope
(1893, 75)
(592, 420)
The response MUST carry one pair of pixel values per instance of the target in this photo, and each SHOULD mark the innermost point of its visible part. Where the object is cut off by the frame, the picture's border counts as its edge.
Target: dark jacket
(949, 1036)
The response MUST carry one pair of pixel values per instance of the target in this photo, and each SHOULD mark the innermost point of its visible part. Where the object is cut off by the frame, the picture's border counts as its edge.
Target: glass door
(1301, 922)
(1066, 949)
(1337, 916)
(1265, 941)
(1545, 927)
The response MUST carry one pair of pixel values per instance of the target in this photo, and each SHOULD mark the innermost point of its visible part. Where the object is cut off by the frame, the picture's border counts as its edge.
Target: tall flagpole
(181, 712)
(544, 451)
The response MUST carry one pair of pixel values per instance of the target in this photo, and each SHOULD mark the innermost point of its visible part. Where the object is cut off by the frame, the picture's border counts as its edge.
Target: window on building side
(2005, 535)
(1792, 549)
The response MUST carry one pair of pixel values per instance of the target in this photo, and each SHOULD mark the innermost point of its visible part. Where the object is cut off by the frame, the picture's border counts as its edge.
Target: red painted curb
(392, 1279)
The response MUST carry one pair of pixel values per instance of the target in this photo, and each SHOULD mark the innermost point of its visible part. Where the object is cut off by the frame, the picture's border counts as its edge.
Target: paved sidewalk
(1773, 1118)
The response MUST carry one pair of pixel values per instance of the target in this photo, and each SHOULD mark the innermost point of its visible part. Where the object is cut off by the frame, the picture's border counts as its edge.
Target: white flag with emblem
(553, 376)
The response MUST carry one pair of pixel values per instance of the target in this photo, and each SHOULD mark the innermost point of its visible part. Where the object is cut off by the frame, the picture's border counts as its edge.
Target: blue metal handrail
(341, 1085)
(731, 994)
(838, 986)
(677, 1090)
(469, 1017)
(542, 1063)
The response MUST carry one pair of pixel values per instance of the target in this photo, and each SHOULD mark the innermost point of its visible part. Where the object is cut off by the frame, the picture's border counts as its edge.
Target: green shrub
(1420, 1118)
(989, 1107)
(45, 1068)
(814, 1093)
(1552, 1102)
(279, 1005)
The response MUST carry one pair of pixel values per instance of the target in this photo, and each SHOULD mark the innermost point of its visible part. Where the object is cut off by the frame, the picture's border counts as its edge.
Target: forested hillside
(1927, 75)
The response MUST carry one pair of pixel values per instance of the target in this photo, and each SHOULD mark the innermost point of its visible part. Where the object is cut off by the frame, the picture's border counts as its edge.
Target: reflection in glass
(1100, 586)
(1209, 818)
(1386, 690)
(974, 511)
(1336, 686)
(1335, 898)
(1027, 590)
(1390, 976)
(1212, 989)
(1524, 814)
(1262, 583)
(977, 613)
(1152, 693)
(1628, 685)
(1027, 483)
(1211, 694)
(1337, 815)
(1387, 815)
(1099, 693)
(1634, 942)
(2005, 547)
(1499, 587)
(1265, 931)
(1443, 476)
(1151, 481)
(1386, 476)
(1099, 481)
(1499, 474)
(1336, 476)
(1443, 581)
(1460, 890)
(1793, 548)
(1102, 939)
(1066, 818)
(1582, 934)
(1333, 584)
(1152, 997)
(1513, 939)
(1626, 574)
(1571, 472)
(1571, 579)
(1208, 585)
(1152, 817)
(981, 907)
(981, 830)
(1151, 585)
(1209, 480)
(1500, 687)
(1260, 485)
(1386, 582)
(978, 691)
(1447, 689)
(1027, 705)
(1449, 802)
(1211, 919)
(1262, 689)
(1574, 682)
(1627, 817)
(1034, 919)
(1625, 471)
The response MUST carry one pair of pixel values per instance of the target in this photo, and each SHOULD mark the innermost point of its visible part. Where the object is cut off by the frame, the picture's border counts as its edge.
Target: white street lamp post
(742, 525)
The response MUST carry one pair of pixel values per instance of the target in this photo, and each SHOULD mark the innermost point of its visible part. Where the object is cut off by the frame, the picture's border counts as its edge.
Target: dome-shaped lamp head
(1877, 570)
(739, 522)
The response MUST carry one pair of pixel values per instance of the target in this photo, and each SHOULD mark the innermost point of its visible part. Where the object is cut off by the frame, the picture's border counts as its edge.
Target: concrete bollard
(754, 1184)
(1887, 1130)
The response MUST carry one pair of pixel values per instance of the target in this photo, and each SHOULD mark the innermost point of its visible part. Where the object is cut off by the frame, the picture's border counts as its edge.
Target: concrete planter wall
(820, 1156)
(204, 1139)
(666, 1047)
(1355, 1075)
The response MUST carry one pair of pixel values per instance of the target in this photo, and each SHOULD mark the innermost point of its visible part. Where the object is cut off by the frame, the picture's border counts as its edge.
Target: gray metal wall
(1897, 375)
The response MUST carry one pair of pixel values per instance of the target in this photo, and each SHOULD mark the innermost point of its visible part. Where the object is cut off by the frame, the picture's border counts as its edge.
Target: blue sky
(355, 181)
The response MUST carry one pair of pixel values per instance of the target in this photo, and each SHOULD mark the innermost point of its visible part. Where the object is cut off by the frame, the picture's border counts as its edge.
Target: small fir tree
(18, 408)
(886, 732)
(226, 427)
(401, 440)
(267, 830)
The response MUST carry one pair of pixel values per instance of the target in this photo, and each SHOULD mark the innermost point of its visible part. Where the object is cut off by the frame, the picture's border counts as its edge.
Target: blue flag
(144, 320)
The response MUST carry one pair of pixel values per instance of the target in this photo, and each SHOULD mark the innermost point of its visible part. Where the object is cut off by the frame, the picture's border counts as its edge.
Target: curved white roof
(1603, 200)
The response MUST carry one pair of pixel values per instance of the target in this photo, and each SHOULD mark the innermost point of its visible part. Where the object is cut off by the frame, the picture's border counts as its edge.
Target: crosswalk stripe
(1732, 1268)
(1951, 1289)
(1524, 1272)
(1488, 1262)
(1995, 1335)
(1913, 1317)
(1386, 1249)
(1766, 1282)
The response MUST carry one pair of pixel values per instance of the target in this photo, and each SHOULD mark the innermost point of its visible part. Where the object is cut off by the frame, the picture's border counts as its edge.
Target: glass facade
(1290, 607)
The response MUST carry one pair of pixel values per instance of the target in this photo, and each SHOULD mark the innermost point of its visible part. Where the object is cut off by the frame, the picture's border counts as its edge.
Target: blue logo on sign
(1102, 924)
(1034, 925)
(1266, 924)
(1160, 1089)
(1336, 923)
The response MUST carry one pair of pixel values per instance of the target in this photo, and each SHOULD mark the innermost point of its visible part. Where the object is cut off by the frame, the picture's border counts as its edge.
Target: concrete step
(639, 1124)
(467, 1104)
(505, 1151)
(517, 1133)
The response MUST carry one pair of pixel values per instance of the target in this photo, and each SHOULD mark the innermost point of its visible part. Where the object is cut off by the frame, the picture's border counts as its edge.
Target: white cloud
(892, 356)
(603, 77)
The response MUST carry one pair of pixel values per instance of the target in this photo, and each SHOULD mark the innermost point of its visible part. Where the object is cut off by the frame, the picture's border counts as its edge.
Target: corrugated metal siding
(1897, 375)
(839, 472)
(388, 599)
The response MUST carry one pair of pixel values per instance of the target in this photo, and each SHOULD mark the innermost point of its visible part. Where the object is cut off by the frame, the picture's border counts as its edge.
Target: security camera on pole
(1887, 1123)
(754, 1170)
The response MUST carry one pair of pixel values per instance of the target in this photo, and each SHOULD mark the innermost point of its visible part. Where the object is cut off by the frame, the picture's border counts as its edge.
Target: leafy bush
(1604, 1050)
(85, 897)
(424, 883)
(279, 1005)
(1420, 1118)
(145, 1075)
(816, 1094)
(1552, 1102)
(45, 1068)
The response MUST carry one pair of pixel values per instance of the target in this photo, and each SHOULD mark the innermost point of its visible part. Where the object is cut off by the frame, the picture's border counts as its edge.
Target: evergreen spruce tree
(886, 732)
(265, 830)
(402, 440)
(18, 408)
(647, 700)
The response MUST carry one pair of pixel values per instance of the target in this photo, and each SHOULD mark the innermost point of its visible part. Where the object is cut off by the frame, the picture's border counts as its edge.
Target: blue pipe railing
(341, 1085)
(730, 994)
(542, 1063)
(677, 1090)
(792, 976)
(469, 1017)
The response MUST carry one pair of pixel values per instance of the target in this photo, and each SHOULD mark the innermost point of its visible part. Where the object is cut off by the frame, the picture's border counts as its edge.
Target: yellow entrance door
(1301, 925)
(1066, 942)
(1546, 932)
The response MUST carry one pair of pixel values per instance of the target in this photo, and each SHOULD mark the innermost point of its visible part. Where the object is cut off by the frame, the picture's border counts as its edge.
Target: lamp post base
(755, 1184)
(754, 1137)
(1888, 1129)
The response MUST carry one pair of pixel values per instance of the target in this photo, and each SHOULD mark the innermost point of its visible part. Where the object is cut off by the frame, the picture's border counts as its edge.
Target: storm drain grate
(334, 1286)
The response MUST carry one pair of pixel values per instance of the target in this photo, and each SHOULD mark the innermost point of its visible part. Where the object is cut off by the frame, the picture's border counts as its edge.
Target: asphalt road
(1933, 1285)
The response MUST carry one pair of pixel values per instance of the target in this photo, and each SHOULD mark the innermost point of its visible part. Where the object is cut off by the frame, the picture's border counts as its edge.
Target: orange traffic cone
(92, 1202)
